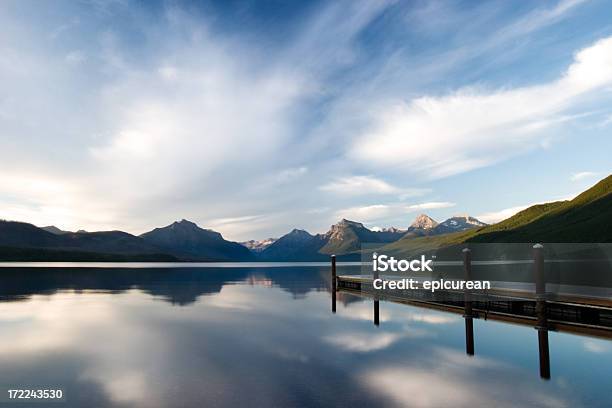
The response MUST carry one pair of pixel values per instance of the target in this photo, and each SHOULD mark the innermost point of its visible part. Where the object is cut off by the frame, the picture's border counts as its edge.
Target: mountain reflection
(179, 286)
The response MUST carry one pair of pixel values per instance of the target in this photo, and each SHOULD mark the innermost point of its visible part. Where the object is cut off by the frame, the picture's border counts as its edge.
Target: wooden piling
(540, 286)
(541, 310)
(376, 312)
(467, 274)
(469, 336)
(538, 269)
(544, 354)
(376, 275)
(467, 302)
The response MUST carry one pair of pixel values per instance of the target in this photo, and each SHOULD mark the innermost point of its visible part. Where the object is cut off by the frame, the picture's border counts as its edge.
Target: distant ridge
(456, 224)
(54, 230)
(424, 225)
(20, 241)
(258, 246)
(185, 240)
(297, 245)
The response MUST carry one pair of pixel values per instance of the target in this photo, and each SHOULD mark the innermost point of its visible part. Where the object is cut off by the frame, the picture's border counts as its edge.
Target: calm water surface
(265, 336)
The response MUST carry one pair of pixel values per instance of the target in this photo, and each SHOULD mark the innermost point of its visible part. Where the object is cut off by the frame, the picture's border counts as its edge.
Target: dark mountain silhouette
(185, 240)
(297, 245)
(22, 241)
(54, 230)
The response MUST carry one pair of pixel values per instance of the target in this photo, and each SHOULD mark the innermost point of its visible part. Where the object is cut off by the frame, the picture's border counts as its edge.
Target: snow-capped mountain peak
(258, 246)
(423, 222)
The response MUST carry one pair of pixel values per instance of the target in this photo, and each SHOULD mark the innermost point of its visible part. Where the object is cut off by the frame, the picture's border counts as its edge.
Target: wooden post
(544, 354)
(538, 269)
(333, 282)
(467, 313)
(541, 310)
(376, 312)
(540, 286)
(467, 263)
(467, 273)
(469, 336)
(375, 275)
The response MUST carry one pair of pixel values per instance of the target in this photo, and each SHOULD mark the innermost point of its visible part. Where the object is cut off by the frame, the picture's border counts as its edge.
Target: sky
(256, 117)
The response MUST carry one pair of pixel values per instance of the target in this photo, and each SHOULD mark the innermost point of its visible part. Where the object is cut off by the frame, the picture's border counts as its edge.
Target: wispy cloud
(596, 346)
(497, 216)
(362, 185)
(473, 127)
(430, 205)
(456, 381)
(369, 213)
(363, 342)
(583, 175)
(386, 212)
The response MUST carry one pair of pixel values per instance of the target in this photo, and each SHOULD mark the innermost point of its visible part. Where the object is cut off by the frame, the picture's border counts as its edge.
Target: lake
(264, 335)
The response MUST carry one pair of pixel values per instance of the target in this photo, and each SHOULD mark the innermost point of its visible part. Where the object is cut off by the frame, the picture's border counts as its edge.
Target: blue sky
(256, 117)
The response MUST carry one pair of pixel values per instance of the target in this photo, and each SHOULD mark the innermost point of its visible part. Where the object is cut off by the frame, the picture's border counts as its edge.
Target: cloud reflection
(457, 382)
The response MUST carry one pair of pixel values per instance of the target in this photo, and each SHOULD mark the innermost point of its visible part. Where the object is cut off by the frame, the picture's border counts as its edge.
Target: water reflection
(468, 316)
(179, 286)
(261, 337)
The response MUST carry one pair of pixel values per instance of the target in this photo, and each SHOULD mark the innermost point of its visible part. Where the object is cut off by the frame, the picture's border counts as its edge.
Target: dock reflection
(541, 310)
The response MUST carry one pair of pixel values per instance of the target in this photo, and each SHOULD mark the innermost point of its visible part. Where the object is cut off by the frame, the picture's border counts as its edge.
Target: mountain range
(258, 246)
(586, 218)
(21, 241)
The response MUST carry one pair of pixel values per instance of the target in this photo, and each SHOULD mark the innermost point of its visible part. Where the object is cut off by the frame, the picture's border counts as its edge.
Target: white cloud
(583, 175)
(363, 342)
(386, 212)
(358, 185)
(431, 318)
(430, 205)
(497, 216)
(169, 73)
(453, 379)
(473, 127)
(380, 212)
(595, 346)
(368, 213)
(365, 185)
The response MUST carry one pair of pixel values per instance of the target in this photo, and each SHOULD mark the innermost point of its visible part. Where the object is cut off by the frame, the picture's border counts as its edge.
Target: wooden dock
(565, 314)
(584, 315)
